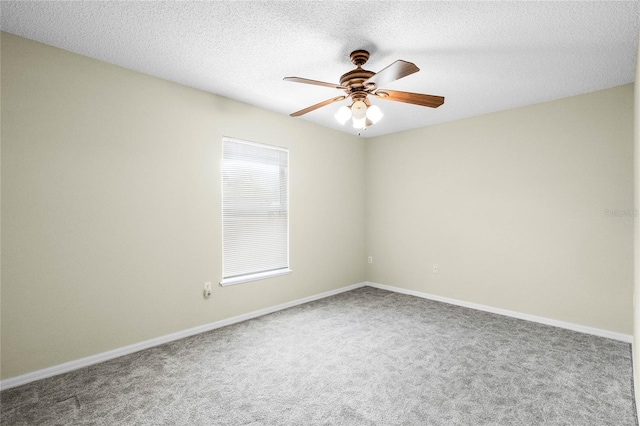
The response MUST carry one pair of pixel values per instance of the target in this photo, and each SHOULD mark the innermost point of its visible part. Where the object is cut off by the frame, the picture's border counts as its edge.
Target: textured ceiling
(482, 56)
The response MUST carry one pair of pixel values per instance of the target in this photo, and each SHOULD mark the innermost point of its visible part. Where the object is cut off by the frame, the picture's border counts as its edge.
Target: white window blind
(255, 211)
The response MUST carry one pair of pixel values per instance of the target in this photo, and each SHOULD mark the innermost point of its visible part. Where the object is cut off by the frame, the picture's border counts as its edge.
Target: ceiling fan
(360, 83)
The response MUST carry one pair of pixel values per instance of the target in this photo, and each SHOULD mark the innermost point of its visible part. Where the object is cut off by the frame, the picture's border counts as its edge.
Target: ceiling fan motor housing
(354, 79)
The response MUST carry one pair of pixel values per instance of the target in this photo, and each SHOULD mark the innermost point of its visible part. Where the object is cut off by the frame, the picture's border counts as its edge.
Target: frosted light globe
(343, 114)
(374, 113)
(359, 110)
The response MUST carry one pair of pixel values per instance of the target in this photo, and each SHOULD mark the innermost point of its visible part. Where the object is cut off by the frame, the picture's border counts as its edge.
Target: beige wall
(111, 207)
(511, 206)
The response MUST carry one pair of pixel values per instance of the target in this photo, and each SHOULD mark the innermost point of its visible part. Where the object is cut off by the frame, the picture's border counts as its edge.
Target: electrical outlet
(207, 290)
(370, 259)
(435, 269)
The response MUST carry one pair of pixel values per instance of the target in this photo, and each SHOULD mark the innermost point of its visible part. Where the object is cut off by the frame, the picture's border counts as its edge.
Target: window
(255, 211)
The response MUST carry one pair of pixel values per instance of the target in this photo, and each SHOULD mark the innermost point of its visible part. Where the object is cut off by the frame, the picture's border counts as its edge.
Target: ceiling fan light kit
(359, 83)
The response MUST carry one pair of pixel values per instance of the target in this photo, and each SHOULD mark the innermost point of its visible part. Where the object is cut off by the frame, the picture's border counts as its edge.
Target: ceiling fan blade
(432, 101)
(393, 72)
(314, 82)
(316, 106)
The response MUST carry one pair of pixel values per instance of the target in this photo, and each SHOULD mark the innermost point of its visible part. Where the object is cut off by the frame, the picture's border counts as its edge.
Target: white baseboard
(105, 356)
(570, 326)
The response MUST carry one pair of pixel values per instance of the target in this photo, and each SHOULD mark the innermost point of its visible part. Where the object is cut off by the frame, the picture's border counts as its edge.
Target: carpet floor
(365, 357)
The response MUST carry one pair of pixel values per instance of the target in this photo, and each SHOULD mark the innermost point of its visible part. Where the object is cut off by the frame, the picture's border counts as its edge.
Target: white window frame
(258, 274)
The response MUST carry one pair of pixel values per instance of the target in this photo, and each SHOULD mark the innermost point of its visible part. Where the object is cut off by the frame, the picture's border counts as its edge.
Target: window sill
(254, 277)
